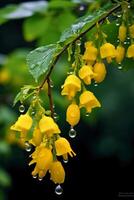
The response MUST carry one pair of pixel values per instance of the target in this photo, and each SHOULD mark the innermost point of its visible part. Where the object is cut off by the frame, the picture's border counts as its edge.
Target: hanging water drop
(35, 176)
(119, 15)
(55, 116)
(125, 42)
(87, 114)
(65, 160)
(95, 84)
(51, 84)
(78, 42)
(70, 73)
(72, 133)
(28, 147)
(117, 23)
(22, 108)
(129, 6)
(40, 179)
(58, 190)
(119, 67)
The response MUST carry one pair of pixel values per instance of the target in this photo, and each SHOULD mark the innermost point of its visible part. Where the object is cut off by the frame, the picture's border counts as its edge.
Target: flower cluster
(43, 134)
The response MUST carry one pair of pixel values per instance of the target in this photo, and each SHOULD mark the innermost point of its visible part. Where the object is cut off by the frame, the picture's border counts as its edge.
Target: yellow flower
(37, 137)
(122, 33)
(91, 52)
(57, 172)
(100, 72)
(23, 123)
(48, 126)
(107, 51)
(63, 148)
(89, 101)
(130, 51)
(120, 52)
(4, 76)
(73, 114)
(86, 74)
(43, 158)
(131, 31)
(71, 86)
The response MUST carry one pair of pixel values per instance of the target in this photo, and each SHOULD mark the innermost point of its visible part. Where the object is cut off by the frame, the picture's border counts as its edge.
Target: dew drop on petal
(58, 190)
(22, 108)
(72, 133)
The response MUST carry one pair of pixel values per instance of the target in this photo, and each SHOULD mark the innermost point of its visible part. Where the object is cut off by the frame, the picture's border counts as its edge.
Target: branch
(50, 98)
(100, 21)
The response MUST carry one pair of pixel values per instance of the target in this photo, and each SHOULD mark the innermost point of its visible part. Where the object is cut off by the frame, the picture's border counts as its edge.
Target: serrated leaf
(82, 25)
(41, 59)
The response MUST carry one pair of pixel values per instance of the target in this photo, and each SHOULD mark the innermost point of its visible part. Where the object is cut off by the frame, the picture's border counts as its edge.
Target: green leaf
(61, 4)
(24, 94)
(22, 10)
(82, 25)
(41, 59)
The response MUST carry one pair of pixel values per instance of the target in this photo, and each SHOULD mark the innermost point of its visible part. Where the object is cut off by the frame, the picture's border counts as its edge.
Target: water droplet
(119, 15)
(125, 42)
(40, 179)
(70, 72)
(33, 66)
(78, 42)
(95, 84)
(117, 23)
(34, 97)
(35, 176)
(56, 116)
(129, 6)
(72, 133)
(119, 67)
(33, 112)
(128, 38)
(58, 190)
(65, 160)
(118, 41)
(51, 84)
(87, 114)
(28, 147)
(82, 8)
(53, 106)
(22, 108)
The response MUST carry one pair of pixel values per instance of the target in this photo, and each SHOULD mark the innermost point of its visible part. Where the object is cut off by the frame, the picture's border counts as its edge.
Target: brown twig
(50, 98)
(82, 34)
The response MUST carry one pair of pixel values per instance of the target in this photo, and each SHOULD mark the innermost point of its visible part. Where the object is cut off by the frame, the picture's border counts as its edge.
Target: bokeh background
(105, 140)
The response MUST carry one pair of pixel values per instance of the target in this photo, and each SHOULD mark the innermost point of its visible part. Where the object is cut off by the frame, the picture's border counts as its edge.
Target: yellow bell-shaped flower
(107, 51)
(122, 33)
(73, 114)
(71, 86)
(130, 51)
(120, 53)
(48, 126)
(57, 173)
(43, 158)
(131, 31)
(89, 101)
(99, 72)
(37, 137)
(91, 52)
(86, 74)
(63, 148)
(23, 123)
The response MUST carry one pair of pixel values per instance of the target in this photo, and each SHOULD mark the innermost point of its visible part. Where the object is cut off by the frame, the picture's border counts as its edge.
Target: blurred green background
(104, 142)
